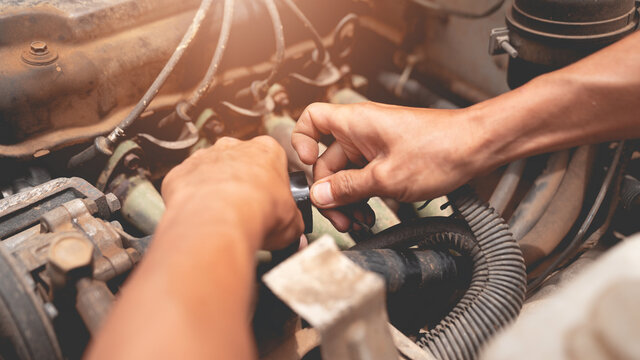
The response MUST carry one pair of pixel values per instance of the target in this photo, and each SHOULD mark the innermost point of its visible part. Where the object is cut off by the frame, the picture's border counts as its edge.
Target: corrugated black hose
(498, 281)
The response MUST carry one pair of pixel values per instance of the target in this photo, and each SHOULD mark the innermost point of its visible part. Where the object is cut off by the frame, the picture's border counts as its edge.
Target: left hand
(248, 179)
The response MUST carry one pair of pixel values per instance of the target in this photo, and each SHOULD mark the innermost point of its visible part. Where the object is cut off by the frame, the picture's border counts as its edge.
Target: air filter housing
(550, 34)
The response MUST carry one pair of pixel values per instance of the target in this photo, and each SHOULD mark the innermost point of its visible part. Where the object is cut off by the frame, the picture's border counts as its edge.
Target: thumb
(342, 188)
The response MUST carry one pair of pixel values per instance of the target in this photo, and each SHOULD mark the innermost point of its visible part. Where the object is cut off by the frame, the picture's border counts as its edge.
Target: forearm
(190, 297)
(591, 101)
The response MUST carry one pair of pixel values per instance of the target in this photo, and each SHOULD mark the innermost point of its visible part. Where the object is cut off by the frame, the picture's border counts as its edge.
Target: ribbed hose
(498, 282)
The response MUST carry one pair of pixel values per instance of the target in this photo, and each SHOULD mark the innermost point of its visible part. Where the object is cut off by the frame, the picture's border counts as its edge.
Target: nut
(112, 202)
(39, 48)
(70, 253)
(39, 54)
(131, 161)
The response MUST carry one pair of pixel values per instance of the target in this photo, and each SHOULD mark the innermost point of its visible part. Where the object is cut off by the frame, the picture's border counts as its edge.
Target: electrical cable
(104, 145)
(322, 50)
(208, 80)
(586, 224)
(261, 87)
(153, 90)
(429, 4)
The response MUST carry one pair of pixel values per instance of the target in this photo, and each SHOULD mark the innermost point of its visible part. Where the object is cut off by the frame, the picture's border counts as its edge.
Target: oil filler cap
(300, 192)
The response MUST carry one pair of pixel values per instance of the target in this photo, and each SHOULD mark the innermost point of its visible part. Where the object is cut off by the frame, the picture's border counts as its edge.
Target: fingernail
(356, 226)
(322, 194)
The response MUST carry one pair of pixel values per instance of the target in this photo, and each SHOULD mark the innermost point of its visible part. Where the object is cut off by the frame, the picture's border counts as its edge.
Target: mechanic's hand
(381, 150)
(247, 178)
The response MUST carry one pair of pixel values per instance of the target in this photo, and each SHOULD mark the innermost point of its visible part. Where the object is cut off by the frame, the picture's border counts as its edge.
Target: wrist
(533, 119)
(480, 147)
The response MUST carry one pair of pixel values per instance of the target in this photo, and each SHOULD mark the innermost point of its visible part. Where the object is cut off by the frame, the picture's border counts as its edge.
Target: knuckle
(167, 182)
(266, 141)
(271, 147)
(344, 112)
(379, 176)
(199, 153)
(226, 141)
(313, 107)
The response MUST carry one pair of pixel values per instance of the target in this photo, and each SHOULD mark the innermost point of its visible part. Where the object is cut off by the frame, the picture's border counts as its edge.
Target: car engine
(99, 99)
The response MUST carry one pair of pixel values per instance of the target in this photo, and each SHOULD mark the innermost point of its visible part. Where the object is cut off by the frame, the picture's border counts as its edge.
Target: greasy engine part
(27, 331)
(542, 36)
(420, 284)
(338, 298)
(630, 193)
(24, 209)
(74, 71)
(57, 255)
(99, 70)
(539, 196)
(550, 34)
(563, 210)
(104, 146)
(608, 189)
(410, 269)
(498, 281)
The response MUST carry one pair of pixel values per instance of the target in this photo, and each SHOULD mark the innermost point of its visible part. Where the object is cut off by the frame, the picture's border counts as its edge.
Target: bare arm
(417, 154)
(190, 296)
(594, 100)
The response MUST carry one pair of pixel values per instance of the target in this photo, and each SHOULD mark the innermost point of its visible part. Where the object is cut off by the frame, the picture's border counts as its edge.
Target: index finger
(315, 121)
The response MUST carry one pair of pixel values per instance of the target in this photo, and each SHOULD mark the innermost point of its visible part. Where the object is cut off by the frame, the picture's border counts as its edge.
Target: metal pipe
(620, 158)
(505, 189)
(93, 302)
(538, 198)
(563, 211)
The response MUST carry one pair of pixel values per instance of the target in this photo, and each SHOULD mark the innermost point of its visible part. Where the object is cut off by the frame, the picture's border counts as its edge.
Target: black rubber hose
(429, 227)
(498, 281)
(410, 269)
(630, 193)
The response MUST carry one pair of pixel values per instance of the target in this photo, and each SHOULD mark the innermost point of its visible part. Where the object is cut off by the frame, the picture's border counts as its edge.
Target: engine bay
(100, 99)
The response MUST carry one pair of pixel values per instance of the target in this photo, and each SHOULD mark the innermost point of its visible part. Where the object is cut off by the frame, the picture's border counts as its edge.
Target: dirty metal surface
(341, 300)
(22, 210)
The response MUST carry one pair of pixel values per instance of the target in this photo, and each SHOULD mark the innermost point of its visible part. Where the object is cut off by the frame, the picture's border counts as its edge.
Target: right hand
(248, 179)
(408, 154)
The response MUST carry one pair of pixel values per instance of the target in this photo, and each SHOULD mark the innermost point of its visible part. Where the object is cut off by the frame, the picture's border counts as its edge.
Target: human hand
(246, 180)
(381, 150)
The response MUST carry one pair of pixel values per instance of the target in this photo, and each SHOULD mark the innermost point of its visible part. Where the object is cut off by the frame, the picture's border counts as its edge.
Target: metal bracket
(342, 301)
(499, 43)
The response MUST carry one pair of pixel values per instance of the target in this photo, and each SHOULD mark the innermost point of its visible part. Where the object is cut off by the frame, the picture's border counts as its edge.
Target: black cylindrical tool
(300, 192)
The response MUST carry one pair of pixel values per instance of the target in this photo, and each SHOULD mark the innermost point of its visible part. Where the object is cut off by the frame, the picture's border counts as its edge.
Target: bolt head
(131, 161)
(113, 203)
(213, 128)
(39, 47)
(69, 253)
